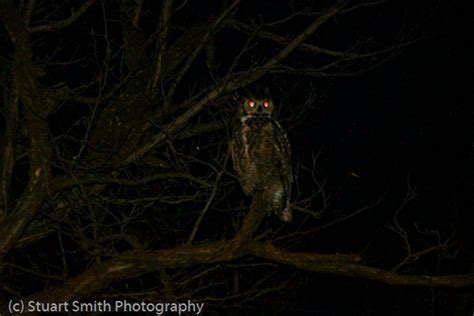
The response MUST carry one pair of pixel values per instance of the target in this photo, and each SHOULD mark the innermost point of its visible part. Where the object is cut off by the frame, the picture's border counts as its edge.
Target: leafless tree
(114, 153)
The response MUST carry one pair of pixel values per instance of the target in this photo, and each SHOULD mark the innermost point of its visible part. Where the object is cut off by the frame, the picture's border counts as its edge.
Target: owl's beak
(259, 109)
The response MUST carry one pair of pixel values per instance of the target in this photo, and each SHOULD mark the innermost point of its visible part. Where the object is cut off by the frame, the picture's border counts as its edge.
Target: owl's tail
(280, 203)
(285, 214)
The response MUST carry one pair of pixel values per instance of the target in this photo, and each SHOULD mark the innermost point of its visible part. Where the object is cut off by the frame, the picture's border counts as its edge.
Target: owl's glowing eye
(251, 104)
(266, 104)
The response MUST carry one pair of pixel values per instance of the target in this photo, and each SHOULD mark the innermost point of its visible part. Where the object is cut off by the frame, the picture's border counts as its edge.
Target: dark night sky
(412, 116)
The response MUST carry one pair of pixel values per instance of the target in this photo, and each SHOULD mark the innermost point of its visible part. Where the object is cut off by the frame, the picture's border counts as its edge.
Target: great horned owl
(261, 155)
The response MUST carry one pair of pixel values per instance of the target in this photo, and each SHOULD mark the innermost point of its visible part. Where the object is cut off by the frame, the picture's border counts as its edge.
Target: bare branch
(218, 21)
(30, 7)
(208, 204)
(308, 48)
(61, 183)
(8, 148)
(63, 23)
(164, 29)
(25, 78)
(229, 83)
(134, 264)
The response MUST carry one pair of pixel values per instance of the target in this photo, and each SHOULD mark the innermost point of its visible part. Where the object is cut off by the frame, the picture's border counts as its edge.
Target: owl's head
(254, 107)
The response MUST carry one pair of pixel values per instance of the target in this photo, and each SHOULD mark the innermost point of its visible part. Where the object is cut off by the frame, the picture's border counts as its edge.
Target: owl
(261, 156)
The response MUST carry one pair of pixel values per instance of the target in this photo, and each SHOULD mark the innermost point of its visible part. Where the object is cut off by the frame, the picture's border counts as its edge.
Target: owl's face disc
(257, 107)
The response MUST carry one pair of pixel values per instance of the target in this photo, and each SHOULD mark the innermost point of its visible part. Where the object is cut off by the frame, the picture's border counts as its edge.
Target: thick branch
(63, 23)
(318, 263)
(162, 42)
(331, 12)
(8, 148)
(25, 78)
(133, 264)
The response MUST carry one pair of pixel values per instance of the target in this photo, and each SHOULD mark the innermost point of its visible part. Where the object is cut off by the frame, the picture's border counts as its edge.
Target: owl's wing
(283, 151)
(236, 147)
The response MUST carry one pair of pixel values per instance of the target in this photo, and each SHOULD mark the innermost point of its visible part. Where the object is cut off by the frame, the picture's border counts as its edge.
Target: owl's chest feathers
(258, 146)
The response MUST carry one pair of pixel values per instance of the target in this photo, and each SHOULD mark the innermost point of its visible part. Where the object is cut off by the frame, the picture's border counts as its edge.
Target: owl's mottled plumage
(261, 155)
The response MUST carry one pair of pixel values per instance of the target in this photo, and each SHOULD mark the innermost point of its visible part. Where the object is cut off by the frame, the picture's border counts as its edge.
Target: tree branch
(61, 183)
(334, 265)
(25, 78)
(205, 39)
(162, 42)
(229, 83)
(307, 48)
(8, 148)
(63, 23)
(133, 264)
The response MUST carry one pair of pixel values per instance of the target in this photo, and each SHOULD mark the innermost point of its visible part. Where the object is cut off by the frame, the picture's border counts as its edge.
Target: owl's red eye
(266, 104)
(251, 104)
